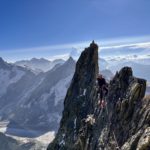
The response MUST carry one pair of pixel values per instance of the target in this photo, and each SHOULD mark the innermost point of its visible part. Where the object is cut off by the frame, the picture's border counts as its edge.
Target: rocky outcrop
(79, 99)
(128, 114)
(122, 124)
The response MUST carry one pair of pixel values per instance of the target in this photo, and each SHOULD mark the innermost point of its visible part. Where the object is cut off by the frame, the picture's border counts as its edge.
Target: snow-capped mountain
(39, 65)
(103, 64)
(140, 66)
(9, 74)
(32, 101)
(75, 53)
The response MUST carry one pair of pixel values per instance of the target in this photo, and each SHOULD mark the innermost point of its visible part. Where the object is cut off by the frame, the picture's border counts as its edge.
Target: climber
(102, 89)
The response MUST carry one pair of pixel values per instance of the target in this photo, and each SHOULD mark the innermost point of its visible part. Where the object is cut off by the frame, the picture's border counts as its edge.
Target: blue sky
(38, 28)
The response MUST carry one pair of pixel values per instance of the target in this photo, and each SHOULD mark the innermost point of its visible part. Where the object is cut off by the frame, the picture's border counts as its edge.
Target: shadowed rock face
(79, 99)
(126, 108)
(123, 123)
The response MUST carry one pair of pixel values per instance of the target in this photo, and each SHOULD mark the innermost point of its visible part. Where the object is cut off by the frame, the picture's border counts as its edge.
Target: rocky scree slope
(123, 124)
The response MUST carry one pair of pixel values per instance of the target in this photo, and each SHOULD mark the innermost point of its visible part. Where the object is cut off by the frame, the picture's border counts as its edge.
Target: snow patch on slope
(60, 89)
(27, 94)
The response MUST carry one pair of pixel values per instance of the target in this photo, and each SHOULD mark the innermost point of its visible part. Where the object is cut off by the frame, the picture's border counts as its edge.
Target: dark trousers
(103, 92)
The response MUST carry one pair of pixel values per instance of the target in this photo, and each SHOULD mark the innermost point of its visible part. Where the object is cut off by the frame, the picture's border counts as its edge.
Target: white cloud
(63, 56)
(144, 45)
(104, 44)
(50, 47)
(141, 45)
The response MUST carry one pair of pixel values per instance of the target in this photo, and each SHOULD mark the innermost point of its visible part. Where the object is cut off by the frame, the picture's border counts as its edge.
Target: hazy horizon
(51, 29)
(66, 50)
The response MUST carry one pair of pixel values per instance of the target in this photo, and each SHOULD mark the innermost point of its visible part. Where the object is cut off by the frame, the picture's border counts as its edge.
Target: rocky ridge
(123, 124)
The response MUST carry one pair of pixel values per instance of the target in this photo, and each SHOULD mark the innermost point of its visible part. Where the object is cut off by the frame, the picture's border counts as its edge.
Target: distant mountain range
(33, 101)
(140, 69)
(39, 65)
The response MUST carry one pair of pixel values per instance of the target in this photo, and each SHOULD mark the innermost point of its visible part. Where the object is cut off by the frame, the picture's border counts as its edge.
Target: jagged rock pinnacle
(94, 45)
(70, 59)
(79, 99)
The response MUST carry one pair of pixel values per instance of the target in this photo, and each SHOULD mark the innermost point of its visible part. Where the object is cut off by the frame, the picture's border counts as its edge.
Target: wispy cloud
(104, 43)
(141, 45)
(63, 50)
(48, 48)
(63, 56)
(132, 46)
